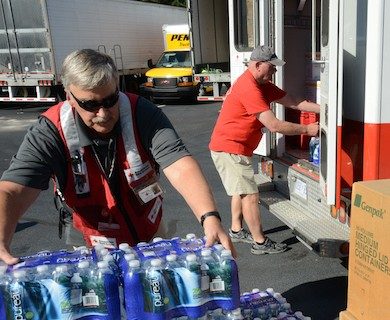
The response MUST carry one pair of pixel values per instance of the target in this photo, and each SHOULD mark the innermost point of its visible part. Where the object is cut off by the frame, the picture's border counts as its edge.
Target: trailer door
(248, 28)
(331, 86)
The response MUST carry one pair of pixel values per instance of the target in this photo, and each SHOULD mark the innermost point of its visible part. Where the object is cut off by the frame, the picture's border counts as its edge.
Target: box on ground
(369, 267)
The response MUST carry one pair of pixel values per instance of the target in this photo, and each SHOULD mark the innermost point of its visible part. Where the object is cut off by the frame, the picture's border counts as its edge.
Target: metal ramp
(323, 234)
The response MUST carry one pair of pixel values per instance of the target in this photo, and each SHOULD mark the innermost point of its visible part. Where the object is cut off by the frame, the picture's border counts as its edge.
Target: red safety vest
(95, 210)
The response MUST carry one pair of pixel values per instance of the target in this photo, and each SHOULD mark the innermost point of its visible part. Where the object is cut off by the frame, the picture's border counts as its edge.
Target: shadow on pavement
(314, 298)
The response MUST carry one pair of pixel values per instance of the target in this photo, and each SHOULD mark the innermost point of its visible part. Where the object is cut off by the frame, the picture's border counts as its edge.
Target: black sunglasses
(93, 105)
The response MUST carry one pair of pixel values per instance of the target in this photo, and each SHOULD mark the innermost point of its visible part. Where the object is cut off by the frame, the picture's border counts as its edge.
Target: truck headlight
(184, 81)
(149, 82)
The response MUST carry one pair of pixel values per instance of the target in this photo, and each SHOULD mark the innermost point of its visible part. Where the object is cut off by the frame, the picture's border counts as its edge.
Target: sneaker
(241, 236)
(268, 246)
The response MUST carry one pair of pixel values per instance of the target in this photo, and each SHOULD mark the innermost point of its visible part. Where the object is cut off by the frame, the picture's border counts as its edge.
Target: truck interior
(254, 25)
(302, 70)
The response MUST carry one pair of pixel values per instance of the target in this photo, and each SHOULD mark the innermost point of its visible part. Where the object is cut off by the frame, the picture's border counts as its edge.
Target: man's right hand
(6, 256)
(312, 129)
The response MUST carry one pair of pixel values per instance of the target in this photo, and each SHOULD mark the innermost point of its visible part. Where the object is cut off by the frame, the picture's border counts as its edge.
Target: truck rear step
(323, 234)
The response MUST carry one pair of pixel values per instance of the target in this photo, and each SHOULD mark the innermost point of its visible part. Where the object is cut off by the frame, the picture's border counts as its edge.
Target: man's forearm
(289, 128)
(308, 106)
(14, 201)
(187, 178)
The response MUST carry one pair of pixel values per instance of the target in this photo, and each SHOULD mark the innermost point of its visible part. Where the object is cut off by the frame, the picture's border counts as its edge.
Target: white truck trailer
(36, 35)
(209, 34)
(337, 54)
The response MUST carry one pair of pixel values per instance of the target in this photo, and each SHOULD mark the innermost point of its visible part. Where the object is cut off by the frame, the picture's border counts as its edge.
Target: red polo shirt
(237, 129)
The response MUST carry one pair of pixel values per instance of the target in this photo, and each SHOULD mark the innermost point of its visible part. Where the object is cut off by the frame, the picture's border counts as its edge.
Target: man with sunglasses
(104, 149)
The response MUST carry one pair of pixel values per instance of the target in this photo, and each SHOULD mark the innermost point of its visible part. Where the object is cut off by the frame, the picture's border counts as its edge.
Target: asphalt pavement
(314, 285)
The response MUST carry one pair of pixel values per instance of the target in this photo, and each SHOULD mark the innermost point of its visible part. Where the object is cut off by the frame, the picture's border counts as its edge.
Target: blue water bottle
(316, 153)
(134, 291)
(107, 279)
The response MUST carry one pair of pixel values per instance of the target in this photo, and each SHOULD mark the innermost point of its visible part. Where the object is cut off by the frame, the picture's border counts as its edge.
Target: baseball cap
(265, 53)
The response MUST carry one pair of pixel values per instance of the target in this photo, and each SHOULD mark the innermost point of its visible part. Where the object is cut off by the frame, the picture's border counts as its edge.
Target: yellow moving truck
(171, 78)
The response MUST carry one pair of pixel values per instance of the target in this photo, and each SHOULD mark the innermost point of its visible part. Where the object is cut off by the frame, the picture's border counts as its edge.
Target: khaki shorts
(236, 172)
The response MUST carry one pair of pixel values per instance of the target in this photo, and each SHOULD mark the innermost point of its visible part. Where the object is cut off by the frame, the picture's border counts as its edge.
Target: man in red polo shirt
(245, 111)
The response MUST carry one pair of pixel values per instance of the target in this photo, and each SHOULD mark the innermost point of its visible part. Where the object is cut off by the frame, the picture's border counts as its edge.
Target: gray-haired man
(104, 149)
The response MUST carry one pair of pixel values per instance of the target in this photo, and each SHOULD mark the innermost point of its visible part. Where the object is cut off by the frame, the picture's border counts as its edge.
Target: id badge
(150, 192)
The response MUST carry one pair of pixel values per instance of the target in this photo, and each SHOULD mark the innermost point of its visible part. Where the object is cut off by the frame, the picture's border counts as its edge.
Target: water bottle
(4, 277)
(83, 250)
(207, 262)
(18, 294)
(111, 263)
(5, 281)
(42, 272)
(193, 295)
(217, 249)
(129, 256)
(76, 291)
(190, 236)
(312, 144)
(155, 295)
(274, 309)
(133, 290)
(30, 299)
(314, 149)
(61, 275)
(316, 154)
(175, 277)
(247, 314)
(125, 247)
(262, 313)
(142, 244)
(87, 272)
(148, 256)
(234, 315)
(157, 239)
(229, 276)
(100, 251)
(109, 282)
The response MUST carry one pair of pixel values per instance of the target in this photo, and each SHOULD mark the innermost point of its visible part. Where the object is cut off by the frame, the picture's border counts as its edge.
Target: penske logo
(180, 37)
(177, 41)
(368, 208)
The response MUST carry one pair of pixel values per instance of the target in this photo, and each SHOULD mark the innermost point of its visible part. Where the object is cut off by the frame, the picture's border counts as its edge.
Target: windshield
(174, 59)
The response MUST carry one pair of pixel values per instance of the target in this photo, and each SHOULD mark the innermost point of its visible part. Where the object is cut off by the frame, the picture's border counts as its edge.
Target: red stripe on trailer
(211, 98)
(376, 156)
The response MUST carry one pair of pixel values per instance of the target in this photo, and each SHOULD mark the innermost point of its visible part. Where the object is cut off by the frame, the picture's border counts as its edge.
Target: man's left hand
(215, 233)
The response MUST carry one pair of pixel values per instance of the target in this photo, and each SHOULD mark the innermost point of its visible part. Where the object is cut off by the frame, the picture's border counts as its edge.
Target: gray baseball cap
(265, 53)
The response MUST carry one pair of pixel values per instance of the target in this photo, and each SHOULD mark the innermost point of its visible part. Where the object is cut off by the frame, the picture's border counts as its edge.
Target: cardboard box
(369, 266)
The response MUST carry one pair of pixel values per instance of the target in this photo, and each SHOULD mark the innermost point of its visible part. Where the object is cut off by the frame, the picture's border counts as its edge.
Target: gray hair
(88, 69)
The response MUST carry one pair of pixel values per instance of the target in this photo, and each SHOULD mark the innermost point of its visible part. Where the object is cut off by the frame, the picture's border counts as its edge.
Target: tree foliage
(177, 3)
